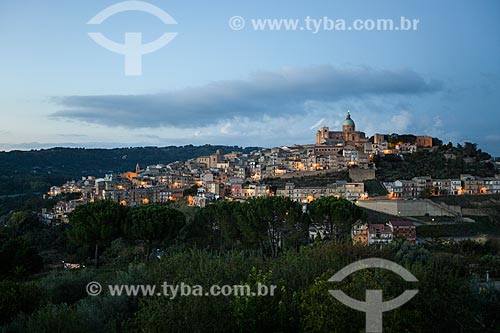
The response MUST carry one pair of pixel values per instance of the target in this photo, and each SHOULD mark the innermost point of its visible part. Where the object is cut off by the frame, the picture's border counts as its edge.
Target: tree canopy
(97, 224)
(155, 224)
(337, 214)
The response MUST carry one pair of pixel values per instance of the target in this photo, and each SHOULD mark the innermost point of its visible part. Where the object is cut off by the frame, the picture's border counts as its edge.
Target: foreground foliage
(449, 299)
(230, 243)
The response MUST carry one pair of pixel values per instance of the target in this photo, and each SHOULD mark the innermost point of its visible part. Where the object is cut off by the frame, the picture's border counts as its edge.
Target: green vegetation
(193, 190)
(338, 215)
(394, 139)
(470, 201)
(263, 241)
(97, 224)
(28, 202)
(16, 298)
(155, 224)
(435, 164)
(271, 225)
(481, 226)
(18, 258)
(488, 204)
(447, 293)
(374, 188)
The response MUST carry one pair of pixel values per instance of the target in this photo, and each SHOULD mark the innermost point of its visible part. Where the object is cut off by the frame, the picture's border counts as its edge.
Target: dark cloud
(272, 94)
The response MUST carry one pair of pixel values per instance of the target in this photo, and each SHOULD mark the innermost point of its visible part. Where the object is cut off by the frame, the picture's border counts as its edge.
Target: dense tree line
(269, 225)
(434, 164)
(31, 203)
(98, 224)
(449, 299)
(18, 257)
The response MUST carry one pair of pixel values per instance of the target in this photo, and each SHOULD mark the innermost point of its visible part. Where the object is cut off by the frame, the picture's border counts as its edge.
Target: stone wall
(360, 175)
(302, 174)
(410, 207)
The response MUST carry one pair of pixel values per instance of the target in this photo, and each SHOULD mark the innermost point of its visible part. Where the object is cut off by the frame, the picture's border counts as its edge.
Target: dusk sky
(215, 85)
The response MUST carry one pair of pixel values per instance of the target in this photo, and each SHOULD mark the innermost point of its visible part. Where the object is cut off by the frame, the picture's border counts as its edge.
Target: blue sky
(267, 88)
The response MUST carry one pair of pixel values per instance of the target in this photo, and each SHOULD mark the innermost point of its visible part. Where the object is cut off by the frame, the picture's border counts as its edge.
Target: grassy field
(482, 226)
(488, 204)
(374, 188)
(471, 201)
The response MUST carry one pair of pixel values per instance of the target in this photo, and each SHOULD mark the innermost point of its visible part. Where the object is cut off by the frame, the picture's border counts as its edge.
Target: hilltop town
(239, 176)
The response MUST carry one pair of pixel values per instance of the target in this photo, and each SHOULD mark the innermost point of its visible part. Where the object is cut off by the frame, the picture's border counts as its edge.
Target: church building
(348, 135)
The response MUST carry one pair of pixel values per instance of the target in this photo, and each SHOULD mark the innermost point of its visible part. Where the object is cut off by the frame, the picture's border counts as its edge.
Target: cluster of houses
(378, 233)
(364, 233)
(341, 189)
(466, 184)
(239, 176)
(163, 183)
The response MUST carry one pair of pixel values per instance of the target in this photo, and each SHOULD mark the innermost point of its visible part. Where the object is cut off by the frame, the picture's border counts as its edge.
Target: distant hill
(37, 170)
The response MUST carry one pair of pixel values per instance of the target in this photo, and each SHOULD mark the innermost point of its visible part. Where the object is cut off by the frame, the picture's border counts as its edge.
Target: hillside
(37, 170)
(445, 162)
(474, 205)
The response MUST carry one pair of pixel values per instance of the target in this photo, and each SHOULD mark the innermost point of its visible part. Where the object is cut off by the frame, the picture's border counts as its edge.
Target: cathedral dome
(348, 121)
